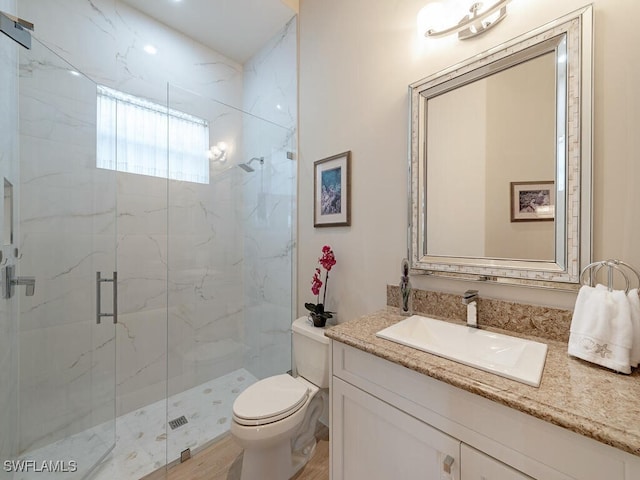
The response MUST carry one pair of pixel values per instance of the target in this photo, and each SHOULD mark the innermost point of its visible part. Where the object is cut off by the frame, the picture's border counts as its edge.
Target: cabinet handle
(447, 463)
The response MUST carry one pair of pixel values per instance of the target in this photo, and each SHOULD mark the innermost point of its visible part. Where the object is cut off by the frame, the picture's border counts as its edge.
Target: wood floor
(223, 461)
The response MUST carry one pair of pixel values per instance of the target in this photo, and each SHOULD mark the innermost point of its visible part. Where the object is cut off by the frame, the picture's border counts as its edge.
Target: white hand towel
(634, 306)
(601, 328)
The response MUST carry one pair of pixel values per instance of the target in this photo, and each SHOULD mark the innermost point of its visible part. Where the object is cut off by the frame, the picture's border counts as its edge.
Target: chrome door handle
(9, 281)
(99, 282)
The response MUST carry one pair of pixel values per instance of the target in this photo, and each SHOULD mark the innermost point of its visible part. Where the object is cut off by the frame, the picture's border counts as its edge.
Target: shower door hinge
(9, 282)
(16, 29)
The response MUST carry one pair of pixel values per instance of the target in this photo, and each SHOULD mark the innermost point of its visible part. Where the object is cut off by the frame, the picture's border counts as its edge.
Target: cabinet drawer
(478, 466)
(373, 440)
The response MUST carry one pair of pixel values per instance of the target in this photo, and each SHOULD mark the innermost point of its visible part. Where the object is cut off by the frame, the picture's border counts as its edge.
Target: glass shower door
(66, 243)
(230, 262)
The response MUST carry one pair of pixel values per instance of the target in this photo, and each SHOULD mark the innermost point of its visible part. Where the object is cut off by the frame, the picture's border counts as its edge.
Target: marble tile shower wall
(59, 210)
(8, 316)
(205, 280)
(198, 277)
(270, 92)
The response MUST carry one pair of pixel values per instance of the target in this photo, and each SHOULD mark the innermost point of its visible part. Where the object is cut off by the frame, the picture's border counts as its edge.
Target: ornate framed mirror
(500, 161)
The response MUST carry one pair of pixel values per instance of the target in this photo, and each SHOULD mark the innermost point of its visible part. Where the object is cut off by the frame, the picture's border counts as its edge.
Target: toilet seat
(270, 400)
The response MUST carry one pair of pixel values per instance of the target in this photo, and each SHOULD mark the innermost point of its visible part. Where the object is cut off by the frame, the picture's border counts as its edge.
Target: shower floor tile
(144, 440)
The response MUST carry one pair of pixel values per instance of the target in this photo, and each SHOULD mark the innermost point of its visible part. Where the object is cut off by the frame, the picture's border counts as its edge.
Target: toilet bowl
(273, 443)
(274, 419)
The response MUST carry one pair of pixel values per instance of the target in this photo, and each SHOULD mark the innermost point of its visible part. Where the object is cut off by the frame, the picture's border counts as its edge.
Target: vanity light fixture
(479, 19)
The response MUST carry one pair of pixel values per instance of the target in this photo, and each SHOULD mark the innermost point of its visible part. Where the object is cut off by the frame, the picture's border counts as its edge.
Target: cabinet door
(371, 440)
(478, 466)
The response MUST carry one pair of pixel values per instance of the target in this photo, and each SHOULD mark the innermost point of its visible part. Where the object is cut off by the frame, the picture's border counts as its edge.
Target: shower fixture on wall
(247, 168)
(16, 28)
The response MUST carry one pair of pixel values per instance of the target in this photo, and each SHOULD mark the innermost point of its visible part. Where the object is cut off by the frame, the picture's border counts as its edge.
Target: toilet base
(267, 464)
(300, 459)
(276, 463)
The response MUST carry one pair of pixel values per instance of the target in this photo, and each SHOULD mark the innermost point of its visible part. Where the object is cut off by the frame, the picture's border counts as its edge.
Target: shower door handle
(99, 282)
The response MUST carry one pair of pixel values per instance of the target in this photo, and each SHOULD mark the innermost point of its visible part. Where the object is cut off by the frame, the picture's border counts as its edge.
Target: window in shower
(135, 135)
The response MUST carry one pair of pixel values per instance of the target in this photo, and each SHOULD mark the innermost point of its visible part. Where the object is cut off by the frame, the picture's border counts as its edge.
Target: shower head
(246, 166)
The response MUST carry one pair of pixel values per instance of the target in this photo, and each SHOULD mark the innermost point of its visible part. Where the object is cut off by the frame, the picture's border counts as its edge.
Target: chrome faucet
(470, 299)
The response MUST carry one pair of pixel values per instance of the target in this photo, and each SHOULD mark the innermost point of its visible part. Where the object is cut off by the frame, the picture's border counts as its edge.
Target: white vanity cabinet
(389, 422)
(378, 441)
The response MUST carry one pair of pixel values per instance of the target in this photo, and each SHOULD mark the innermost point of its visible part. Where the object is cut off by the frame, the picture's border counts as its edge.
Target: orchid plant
(318, 314)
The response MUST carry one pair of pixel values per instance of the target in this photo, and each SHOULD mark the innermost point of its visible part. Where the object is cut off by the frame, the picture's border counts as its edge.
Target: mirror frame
(563, 273)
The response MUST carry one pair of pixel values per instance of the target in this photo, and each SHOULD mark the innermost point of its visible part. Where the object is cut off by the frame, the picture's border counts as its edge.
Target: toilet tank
(311, 352)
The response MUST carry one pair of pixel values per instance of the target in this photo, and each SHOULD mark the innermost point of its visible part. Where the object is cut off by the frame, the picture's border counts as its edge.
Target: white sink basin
(515, 358)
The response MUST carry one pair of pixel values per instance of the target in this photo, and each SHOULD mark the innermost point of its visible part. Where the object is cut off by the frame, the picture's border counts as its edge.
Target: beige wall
(357, 58)
(520, 151)
(457, 156)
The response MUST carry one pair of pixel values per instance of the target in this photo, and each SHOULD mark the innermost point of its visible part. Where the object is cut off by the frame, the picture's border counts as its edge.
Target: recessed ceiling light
(74, 73)
(150, 49)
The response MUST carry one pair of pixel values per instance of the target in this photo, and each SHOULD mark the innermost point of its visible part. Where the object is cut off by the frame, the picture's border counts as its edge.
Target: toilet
(274, 419)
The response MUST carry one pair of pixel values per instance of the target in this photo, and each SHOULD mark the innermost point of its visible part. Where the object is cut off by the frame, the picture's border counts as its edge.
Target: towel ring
(612, 265)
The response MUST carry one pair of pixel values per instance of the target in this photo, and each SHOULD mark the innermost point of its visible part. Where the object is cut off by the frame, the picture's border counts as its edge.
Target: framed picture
(332, 190)
(533, 201)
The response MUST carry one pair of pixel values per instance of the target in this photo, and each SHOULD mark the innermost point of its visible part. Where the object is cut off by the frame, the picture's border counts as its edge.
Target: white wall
(357, 58)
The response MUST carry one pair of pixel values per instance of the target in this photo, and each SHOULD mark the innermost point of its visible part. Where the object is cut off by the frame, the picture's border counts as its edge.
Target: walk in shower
(161, 290)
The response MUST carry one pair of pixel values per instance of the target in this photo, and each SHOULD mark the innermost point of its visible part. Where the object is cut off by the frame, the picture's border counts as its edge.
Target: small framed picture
(332, 190)
(533, 201)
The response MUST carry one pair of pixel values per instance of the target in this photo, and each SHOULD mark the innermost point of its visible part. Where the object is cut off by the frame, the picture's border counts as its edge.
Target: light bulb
(218, 152)
(431, 17)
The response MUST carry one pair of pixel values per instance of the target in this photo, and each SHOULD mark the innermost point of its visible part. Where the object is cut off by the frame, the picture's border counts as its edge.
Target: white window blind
(138, 136)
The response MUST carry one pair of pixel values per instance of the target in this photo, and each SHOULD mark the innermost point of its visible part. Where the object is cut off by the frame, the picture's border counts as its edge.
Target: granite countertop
(573, 394)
